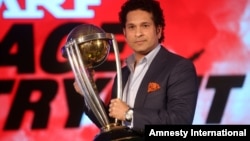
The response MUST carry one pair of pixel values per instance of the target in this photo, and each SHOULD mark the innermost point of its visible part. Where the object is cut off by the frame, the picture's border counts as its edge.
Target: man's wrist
(129, 114)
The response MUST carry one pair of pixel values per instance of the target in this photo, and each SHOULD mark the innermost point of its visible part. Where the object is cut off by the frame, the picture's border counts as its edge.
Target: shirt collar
(130, 61)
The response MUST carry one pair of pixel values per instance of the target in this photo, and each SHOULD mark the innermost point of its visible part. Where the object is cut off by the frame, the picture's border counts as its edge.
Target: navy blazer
(174, 102)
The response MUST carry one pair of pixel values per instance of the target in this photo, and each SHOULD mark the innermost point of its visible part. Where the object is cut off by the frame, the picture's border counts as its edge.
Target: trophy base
(119, 133)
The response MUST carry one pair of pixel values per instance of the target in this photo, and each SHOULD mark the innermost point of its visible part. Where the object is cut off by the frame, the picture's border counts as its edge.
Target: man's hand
(118, 109)
(77, 89)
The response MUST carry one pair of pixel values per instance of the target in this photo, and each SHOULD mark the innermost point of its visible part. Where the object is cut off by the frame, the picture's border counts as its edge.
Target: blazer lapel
(155, 67)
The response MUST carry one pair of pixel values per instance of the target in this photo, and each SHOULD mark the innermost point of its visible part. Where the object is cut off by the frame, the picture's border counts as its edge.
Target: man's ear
(158, 29)
(124, 32)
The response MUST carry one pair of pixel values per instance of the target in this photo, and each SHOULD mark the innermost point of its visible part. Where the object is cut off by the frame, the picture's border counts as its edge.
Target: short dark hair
(151, 6)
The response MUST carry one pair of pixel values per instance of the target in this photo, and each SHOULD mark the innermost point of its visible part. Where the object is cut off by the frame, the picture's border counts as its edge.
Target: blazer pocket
(152, 87)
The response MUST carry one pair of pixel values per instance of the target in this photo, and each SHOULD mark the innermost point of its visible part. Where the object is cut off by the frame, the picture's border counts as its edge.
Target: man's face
(140, 32)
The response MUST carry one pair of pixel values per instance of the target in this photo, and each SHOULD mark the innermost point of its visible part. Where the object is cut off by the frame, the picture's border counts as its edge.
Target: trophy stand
(88, 47)
(118, 133)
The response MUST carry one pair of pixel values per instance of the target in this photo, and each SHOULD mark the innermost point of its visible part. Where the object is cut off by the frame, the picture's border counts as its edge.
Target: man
(159, 87)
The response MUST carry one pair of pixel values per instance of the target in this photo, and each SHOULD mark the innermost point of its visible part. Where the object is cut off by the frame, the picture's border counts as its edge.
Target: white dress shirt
(136, 75)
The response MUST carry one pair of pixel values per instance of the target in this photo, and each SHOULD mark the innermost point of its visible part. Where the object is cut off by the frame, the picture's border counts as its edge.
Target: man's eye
(130, 27)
